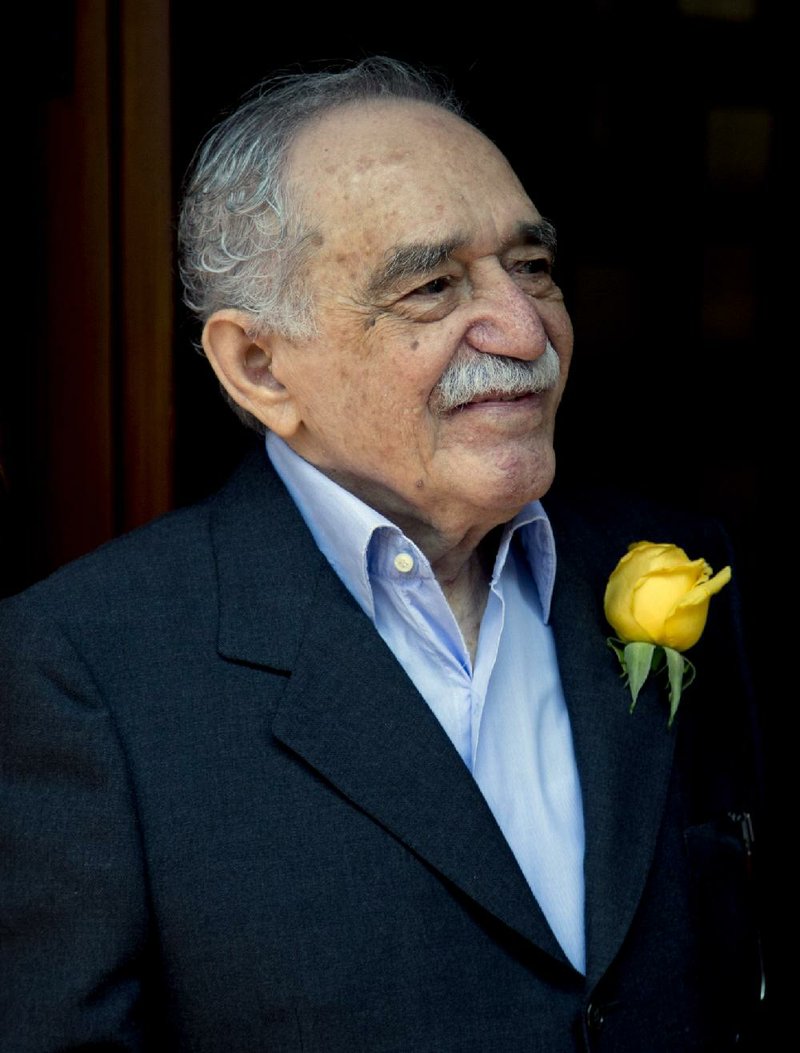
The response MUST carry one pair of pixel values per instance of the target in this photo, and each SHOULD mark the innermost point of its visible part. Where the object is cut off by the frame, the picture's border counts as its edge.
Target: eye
(435, 287)
(538, 266)
(533, 276)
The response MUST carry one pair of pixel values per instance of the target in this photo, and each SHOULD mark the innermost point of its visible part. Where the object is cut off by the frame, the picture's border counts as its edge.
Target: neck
(463, 571)
(466, 596)
(462, 558)
(459, 546)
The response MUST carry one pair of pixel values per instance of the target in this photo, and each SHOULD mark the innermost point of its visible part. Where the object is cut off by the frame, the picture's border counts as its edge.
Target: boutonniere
(657, 602)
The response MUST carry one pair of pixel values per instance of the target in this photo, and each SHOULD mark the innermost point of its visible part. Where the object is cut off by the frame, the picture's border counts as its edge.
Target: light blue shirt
(506, 715)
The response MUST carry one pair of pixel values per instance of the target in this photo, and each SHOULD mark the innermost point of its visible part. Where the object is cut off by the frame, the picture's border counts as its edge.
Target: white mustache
(480, 375)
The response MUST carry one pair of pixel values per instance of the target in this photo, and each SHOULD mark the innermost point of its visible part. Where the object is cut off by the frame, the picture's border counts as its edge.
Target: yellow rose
(657, 595)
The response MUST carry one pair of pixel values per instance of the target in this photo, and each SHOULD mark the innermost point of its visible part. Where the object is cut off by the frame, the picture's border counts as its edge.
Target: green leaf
(676, 667)
(638, 662)
(618, 647)
(689, 673)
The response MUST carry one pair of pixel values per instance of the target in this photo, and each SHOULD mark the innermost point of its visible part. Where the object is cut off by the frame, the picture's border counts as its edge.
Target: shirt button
(403, 562)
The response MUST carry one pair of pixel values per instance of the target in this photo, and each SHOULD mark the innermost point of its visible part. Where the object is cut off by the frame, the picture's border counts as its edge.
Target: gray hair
(242, 240)
(482, 375)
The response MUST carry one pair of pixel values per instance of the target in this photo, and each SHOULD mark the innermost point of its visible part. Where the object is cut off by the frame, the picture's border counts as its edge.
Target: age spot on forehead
(364, 163)
(414, 345)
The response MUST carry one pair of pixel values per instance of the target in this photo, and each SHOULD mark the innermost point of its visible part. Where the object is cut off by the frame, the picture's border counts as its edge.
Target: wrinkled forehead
(402, 171)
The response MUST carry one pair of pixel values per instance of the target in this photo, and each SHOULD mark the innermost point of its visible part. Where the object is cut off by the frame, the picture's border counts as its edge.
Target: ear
(243, 364)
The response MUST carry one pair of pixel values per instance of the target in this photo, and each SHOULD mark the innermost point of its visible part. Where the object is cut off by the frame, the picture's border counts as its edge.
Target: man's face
(428, 251)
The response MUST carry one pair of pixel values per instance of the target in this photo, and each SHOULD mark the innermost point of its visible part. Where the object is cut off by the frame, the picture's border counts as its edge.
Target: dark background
(653, 134)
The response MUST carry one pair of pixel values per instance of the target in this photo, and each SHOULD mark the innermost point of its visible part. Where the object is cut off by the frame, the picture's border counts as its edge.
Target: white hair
(481, 375)
(243, 241)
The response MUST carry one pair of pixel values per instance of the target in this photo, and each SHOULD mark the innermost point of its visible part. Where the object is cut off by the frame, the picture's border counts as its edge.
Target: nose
(506, 320)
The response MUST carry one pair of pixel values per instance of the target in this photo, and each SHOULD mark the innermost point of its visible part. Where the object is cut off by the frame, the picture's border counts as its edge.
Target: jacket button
(594, 1017)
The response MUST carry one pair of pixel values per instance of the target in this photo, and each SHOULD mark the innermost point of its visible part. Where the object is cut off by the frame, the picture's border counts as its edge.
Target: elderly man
(338, 760)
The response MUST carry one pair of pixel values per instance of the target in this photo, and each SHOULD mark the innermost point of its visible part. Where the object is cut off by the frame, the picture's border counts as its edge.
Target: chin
(517, 479)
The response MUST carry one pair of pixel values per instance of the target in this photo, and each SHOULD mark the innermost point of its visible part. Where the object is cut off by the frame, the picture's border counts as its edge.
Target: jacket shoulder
(136, 567)
(601, 523)
(167, 562)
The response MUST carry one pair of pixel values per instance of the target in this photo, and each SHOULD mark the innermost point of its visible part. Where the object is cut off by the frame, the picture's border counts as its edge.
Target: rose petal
(657, 594)
(684, 626)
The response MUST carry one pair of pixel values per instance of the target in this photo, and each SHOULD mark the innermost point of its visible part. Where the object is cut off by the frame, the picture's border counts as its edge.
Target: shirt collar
(344, 527)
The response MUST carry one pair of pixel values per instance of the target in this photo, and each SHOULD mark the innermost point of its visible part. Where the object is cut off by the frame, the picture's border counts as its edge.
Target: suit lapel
(348, 709)
(624, 759)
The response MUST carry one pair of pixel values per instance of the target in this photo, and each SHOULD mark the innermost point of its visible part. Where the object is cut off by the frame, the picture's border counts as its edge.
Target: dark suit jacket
(232, 824)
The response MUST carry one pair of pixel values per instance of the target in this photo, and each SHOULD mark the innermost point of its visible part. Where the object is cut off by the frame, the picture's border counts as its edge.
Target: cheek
(410, 357)
(392, 419)
(559, 331)
(559, 326)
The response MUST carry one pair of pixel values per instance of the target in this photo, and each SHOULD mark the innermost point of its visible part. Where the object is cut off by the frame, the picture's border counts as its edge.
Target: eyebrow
(542, 234)
(411, 261)
(419, 259)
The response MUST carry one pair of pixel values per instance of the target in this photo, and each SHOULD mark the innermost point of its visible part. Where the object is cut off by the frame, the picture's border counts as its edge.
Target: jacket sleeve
(73, 906)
